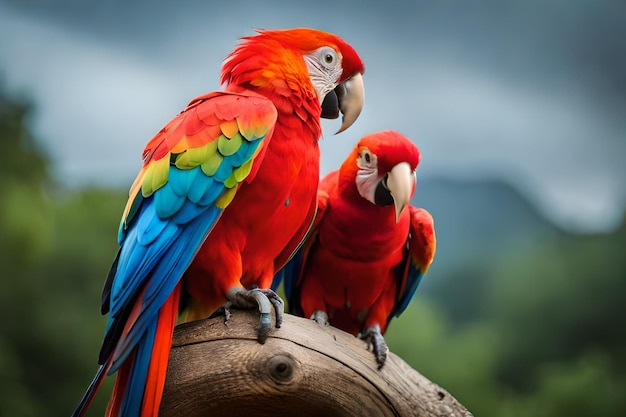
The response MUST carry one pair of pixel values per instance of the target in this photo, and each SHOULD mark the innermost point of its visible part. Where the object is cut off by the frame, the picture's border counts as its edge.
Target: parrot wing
(291, 271)
(316, 213)
(421, 246)
(295, 243)
(191, 172)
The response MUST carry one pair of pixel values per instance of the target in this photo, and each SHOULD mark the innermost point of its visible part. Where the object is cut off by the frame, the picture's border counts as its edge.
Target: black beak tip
(330, 106)
(382, 195)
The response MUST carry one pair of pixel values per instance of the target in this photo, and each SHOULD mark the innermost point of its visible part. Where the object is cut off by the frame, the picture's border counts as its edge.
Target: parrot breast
(263, 218)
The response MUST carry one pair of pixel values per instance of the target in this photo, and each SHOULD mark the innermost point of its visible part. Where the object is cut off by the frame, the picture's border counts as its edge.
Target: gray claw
(226, 308)
(265, 299)
(374, 337)
(278, 303)
(320, 317)
(222, 311)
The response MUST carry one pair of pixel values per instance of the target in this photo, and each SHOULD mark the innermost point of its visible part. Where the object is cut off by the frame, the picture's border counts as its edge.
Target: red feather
(160, 355)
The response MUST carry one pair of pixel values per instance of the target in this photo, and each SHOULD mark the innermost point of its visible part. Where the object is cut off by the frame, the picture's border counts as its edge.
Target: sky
(531, 92)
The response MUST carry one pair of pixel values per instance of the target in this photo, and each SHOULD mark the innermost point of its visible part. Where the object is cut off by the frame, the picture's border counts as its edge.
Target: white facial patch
(324, 65)
(367, 178)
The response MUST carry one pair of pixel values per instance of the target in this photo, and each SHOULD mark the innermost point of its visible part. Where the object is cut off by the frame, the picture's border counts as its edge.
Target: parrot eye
(328, 57)
(366, 159)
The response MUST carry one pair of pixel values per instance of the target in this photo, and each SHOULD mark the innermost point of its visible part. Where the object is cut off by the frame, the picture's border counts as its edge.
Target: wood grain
(302, 370)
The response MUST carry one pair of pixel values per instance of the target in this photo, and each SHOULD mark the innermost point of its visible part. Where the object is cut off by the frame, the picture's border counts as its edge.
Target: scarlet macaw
(226, 188)
(368, 248)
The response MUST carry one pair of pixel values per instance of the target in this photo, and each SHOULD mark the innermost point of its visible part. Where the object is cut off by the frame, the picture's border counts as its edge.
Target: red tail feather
(121, 383)
(155, 380)
(160, 354)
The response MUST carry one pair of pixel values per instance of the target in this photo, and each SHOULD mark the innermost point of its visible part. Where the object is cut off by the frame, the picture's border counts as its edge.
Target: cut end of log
(303, 369)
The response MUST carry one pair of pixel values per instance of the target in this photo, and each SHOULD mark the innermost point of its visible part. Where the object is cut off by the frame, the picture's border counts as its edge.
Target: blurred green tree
(55, 249)
(559, 302)
(548, 340)
(588, 386)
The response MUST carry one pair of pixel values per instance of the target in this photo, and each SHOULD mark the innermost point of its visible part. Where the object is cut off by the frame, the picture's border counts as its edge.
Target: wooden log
(302, 370)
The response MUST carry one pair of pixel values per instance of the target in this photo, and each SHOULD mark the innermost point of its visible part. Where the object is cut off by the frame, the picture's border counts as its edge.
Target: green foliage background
(543, 335)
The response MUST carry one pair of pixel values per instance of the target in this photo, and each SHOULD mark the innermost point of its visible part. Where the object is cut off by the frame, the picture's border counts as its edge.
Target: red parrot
(368, 248)
(227, 187)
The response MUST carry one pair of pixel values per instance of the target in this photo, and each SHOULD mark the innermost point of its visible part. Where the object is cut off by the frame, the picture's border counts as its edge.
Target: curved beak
(347, 97)
(401, 184)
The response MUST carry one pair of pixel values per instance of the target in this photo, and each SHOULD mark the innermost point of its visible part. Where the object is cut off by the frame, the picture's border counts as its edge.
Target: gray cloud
(526, 91)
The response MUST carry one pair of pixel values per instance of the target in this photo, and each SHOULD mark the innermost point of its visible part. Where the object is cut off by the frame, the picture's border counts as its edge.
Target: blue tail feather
(133, 397)
(90, 393)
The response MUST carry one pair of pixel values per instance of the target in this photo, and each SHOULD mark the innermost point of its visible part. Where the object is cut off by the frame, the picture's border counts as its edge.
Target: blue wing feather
(168, 256)
(224, 170)
(279, 276)
(149, 226)
(289, 276)
(244, 153)
(167, 202)
(413, 279)
(210, 193)
(188, 212)
(420, 251)
(200, 185)
(182, 181)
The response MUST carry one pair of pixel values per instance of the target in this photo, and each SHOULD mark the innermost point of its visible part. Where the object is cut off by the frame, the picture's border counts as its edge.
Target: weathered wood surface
(302, 370)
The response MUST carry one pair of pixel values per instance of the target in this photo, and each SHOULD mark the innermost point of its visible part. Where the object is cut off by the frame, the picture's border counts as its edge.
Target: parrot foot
(320, 317)
(265, 299)
(223, 311)
(374, 337)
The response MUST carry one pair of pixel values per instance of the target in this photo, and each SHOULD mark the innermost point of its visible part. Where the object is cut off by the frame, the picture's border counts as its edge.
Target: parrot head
(294, 65)
(382, 166)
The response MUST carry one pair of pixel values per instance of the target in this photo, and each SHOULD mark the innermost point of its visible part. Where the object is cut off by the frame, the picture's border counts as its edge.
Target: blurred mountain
(479, 222)
(476, 218)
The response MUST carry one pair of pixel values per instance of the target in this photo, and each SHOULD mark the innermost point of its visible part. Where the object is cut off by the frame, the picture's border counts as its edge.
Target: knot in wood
(281, 368)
